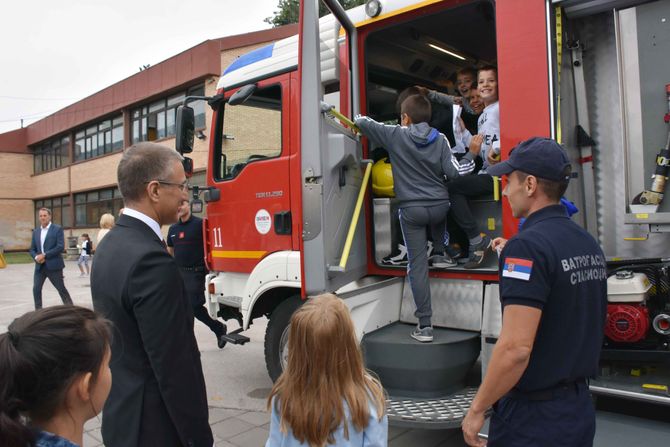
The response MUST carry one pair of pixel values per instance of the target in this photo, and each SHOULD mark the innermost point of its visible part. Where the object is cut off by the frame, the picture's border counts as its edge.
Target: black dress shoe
(220, 341)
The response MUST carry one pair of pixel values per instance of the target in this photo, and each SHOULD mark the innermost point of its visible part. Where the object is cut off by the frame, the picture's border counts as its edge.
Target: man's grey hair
(44, 209)
(142, 163)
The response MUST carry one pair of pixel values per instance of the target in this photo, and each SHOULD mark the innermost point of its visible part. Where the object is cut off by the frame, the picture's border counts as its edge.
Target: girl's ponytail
(13, 433)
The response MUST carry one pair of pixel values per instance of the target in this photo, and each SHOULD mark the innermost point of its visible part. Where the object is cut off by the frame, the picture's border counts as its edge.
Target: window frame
(91, 202)
(90, 141)
(157, 114)
(219, 127)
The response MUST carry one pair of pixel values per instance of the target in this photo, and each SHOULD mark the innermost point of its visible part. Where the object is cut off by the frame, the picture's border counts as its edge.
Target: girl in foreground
(325, 397)
(54, 376)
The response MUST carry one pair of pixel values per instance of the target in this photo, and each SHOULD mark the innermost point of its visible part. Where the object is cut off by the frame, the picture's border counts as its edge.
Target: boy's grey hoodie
(421, 161)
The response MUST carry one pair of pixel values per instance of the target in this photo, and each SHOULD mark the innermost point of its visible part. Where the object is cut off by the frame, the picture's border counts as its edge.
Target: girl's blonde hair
(325, 370)
(106, 221)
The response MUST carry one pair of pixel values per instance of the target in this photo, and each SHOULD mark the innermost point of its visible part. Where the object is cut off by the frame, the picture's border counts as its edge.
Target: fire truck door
(331, 157)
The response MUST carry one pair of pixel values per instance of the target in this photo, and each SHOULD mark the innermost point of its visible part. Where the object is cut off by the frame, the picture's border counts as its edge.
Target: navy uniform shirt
(186, 239)
(554, 265)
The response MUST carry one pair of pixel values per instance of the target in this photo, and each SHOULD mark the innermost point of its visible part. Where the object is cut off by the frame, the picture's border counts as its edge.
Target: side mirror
(242, 95)
(185, 129)
(187, 163)
(196, 206)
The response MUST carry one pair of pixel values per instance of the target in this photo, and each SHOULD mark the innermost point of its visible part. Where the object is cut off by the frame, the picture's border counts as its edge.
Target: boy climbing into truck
(421, 162)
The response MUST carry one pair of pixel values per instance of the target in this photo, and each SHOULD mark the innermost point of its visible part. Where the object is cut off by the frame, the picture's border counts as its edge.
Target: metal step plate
(446, 412)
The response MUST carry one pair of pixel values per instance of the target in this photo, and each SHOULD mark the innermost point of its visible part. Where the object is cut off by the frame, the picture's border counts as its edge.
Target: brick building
(67, 161)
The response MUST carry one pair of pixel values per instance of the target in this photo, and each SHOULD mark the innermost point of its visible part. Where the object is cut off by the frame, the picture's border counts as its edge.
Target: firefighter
(553, 294)
(185, 244)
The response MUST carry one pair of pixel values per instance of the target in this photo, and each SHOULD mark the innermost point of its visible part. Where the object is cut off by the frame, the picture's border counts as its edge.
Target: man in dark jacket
(46, 248)
(158, 395)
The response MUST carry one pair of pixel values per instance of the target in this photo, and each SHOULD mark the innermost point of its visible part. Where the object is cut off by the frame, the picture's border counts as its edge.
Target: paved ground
(237, 381)
(238, 384)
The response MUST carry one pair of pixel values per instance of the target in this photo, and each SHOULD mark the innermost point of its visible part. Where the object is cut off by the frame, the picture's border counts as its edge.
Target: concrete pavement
(236, 378)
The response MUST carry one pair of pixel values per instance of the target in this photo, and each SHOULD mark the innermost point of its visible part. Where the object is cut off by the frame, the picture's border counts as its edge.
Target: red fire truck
(290, 214)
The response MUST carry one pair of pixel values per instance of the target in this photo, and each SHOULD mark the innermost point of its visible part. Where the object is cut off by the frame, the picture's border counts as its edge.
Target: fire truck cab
(290, 214)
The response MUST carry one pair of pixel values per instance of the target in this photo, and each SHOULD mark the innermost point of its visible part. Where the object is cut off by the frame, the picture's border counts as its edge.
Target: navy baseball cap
(541, 157)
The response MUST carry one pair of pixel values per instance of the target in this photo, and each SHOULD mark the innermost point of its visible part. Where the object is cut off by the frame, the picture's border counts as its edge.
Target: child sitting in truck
(421, 161)
(486, 142)
(325, 396)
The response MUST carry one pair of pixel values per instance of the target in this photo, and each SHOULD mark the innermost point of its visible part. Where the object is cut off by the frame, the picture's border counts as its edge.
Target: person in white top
(487, 141)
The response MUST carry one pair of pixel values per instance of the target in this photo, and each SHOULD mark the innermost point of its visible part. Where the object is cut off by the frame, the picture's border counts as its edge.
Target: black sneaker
(441, 261)
(397, 259)
(478, 253)
(454, 252)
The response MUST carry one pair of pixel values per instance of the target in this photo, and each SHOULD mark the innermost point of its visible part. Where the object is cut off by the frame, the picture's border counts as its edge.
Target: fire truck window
(251, 132)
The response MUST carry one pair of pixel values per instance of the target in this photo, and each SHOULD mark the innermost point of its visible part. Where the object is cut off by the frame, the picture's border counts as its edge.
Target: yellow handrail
(354, 218)
(496, 188)
(331, 111)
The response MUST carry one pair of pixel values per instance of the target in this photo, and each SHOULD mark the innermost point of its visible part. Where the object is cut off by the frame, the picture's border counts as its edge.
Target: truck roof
(282, 55)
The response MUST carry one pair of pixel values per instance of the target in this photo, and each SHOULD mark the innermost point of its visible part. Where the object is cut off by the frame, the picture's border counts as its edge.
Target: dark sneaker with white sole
(478, 253)
(443, 261)
(399, 258)
(424, 335)
(454, 252)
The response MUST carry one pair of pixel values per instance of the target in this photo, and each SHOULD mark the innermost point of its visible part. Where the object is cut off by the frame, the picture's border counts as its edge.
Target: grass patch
(20, 257)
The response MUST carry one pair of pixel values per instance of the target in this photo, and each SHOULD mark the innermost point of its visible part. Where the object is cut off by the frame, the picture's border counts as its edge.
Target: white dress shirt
(146, 219)
(43, 235)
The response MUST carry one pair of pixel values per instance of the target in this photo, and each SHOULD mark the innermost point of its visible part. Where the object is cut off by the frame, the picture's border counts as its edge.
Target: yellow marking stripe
(238, 254)
(396, 12)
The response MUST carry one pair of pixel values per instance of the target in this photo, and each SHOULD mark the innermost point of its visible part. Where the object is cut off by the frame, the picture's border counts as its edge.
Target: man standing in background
(185, 243)
(46, 248)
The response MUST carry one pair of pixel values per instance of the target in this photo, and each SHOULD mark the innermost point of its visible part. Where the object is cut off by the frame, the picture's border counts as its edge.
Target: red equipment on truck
(290, 214)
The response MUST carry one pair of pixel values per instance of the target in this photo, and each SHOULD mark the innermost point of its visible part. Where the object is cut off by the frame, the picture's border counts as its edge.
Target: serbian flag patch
(517, 268)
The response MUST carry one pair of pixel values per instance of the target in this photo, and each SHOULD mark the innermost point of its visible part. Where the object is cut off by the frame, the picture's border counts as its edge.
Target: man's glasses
(183, 186)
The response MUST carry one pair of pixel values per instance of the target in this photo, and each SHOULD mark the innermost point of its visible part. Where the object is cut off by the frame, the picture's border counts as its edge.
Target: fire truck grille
(446, 412)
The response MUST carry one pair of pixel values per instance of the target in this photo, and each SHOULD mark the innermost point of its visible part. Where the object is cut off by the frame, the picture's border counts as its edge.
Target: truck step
(235, 337)
(443, 413)
(409, 368)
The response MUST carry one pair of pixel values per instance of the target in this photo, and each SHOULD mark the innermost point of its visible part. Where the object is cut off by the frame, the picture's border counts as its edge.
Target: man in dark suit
(46, 248)
(158, 395)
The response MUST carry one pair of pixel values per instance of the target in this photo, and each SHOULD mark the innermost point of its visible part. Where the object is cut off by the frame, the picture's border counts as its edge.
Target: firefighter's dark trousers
(563, 417)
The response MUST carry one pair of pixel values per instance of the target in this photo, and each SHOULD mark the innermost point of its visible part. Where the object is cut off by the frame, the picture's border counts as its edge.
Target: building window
(60, 210)
(156, 121)
(99, 139)
(89, 206)
(52, 155)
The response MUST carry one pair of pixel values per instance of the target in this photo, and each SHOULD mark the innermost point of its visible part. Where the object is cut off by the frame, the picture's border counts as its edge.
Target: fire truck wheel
(276, 336)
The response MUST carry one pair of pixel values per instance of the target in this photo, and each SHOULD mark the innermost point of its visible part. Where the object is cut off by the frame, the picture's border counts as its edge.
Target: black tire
(277, 326)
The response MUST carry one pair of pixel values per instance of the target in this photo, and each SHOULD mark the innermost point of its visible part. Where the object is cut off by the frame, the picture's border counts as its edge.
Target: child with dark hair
(54, 376)
(325, 396)
(421, 162)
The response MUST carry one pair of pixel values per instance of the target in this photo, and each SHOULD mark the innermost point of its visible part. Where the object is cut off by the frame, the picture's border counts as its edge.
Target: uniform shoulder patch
(518, 268)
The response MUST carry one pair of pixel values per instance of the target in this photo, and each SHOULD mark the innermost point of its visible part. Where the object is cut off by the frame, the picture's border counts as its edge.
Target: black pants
(460, 190)
(567, 420)
(195, 287)
(56, 278)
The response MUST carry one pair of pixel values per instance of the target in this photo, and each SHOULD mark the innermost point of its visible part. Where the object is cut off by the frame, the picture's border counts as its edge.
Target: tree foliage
(288, 11)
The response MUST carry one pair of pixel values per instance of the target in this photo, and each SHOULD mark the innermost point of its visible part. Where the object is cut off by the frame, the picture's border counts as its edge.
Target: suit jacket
(54, 244)
(158, 395)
